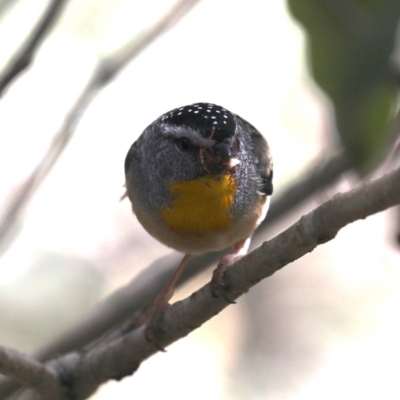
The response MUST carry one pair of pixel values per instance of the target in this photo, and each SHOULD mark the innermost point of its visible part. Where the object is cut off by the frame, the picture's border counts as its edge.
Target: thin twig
(102, 74)
(25, 54)
(30, 373)
(124, 355)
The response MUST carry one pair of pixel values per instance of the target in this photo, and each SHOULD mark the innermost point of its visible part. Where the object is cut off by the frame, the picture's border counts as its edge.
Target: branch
(318, 176)
(101, 76)
(115, 360)
(25, 54)
(30, 373)
(143, 289)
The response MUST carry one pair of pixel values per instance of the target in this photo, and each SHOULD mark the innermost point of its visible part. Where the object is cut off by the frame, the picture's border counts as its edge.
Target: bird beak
(226, 156)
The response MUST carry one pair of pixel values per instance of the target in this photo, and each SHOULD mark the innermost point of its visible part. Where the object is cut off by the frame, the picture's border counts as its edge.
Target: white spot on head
(215, 123)
(208, 110)
(179, 113)
(196, 112)
(225, 116)
(190, 110)
(213, 117)
(224, 122)
(218, 111)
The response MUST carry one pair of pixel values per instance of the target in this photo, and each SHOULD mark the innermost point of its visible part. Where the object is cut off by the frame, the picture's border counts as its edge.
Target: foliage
(350, 48)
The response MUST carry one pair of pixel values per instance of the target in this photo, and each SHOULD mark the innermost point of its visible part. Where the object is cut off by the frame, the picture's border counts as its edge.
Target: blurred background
(326, 326)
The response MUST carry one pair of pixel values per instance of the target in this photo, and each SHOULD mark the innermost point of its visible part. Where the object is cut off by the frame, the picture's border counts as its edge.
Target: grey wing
(263, 156)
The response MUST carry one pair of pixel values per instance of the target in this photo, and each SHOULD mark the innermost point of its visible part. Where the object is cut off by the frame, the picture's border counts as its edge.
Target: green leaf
(350, 45)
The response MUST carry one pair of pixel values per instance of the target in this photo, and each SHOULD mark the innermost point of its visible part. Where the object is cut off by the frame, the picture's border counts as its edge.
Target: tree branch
(143, 289)
(121, 357)
(319, 175)
(30, 373)
(25, 54)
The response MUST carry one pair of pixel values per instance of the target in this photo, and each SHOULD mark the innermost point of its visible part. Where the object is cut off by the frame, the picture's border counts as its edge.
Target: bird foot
(154, 327)
(219, 287)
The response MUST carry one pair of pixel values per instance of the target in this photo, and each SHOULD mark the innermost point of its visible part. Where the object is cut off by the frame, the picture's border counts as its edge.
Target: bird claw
(219, 287)
(154, 327)
(150, 337)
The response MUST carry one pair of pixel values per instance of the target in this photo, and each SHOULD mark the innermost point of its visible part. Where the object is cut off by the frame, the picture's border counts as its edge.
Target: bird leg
(161, 302)
(240, 249)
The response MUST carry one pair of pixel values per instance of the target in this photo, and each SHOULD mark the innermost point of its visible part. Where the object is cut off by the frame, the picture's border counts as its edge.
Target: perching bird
(199, 179)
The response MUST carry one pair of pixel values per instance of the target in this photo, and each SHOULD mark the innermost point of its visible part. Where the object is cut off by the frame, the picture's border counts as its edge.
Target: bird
(199, 179)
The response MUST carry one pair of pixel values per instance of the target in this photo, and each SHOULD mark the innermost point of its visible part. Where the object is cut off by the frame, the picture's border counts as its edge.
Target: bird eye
(183, 143)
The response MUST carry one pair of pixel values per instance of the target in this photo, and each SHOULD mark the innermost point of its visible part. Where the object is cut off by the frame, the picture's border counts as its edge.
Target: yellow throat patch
(201, 205)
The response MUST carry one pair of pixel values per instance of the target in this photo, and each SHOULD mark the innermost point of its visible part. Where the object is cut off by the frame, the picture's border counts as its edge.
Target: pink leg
(161, 301)
(240, 249)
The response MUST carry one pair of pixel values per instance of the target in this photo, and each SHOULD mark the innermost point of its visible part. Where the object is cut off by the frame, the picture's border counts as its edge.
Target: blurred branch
(102, 74)
(318, 176)
(136, 296)
(30, 373)
(121, 357)
(25, 54)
